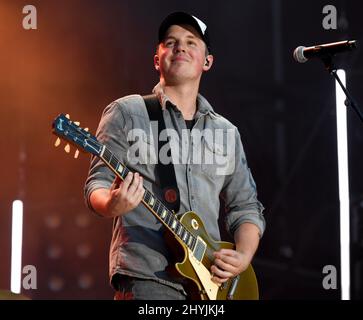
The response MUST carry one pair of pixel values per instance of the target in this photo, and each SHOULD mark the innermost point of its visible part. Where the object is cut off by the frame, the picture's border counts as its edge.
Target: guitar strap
(168, 185)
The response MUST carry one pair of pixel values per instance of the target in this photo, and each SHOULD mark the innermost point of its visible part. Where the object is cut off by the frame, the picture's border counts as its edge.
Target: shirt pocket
(215, 159)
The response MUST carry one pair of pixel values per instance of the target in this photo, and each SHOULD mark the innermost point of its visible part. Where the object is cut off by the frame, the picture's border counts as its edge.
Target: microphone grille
(299, 54)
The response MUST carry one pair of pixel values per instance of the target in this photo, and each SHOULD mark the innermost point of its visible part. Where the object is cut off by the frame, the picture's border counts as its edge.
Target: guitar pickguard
(211, 288)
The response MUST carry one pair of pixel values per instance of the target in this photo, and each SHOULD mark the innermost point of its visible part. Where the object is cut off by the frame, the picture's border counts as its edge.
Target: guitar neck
(151, 202)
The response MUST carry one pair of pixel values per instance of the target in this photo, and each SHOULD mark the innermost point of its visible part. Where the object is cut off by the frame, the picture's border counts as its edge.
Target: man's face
(182, 55)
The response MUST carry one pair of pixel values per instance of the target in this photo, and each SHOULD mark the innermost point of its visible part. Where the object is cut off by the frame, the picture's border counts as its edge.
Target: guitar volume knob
(195, 224)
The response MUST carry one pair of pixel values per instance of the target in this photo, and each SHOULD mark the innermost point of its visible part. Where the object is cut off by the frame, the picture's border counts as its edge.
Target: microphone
(303, 54)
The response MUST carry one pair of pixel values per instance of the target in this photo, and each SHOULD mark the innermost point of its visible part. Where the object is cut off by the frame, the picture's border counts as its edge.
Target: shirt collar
(203, 106)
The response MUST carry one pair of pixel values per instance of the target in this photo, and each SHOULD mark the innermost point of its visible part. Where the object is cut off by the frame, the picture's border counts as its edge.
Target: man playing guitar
(208, 162)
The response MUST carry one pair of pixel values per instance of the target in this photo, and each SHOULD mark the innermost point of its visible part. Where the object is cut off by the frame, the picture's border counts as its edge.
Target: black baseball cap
(178, 18)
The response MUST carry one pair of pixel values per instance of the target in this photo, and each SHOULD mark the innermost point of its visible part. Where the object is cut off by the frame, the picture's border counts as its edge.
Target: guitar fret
(190, 240)
(147, 196)
(123, 175)
(107, 154)
(125, 172)
(179, 229)
(173, 223)
(179, 232)
(114, 161)
(164, 214)
(156, 206)
(169, 219)
(166, 218)
(194, 241)
(151, 201)
(160, 208)
(185, 236)
(120, 168)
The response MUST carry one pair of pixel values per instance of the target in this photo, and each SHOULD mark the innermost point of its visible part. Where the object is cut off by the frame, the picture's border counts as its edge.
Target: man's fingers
(140, 193)
(229, 260)
(127, 195)
(227, 256)
(222, 274)
(140, 189)
(226, 252)
(126, 183)
(224, 266)
(133, 186)
(137, 196)
(218, 280)
(116, 183)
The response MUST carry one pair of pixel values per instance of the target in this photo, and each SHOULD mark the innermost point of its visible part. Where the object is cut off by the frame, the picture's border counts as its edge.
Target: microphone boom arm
(329, 66)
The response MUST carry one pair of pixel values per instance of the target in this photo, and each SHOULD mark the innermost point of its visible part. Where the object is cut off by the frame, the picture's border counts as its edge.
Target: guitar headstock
(71, 132)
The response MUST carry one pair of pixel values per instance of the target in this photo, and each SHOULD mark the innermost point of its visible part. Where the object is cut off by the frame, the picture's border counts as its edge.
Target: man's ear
(208, 62)
(156, 62)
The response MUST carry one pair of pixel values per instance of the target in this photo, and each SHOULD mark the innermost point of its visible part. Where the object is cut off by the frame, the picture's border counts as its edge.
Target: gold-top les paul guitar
(196, 245)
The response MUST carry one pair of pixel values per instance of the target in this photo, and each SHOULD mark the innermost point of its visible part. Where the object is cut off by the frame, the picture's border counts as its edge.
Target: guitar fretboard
(156, 206)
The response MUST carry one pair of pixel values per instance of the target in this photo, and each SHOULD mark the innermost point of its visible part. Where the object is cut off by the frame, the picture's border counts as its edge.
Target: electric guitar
(195, 244)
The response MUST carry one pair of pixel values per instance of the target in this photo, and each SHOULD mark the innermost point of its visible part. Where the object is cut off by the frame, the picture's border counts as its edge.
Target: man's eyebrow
(169, 37)
(190, 36)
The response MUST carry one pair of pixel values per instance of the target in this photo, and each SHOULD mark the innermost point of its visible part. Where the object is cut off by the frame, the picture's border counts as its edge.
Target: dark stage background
(84, 54)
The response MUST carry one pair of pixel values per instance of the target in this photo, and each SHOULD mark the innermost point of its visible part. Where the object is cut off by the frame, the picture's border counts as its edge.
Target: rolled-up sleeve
(240, 194)
(110, 133)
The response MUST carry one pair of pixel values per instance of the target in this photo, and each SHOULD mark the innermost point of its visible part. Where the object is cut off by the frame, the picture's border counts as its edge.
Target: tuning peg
(57, 142)
(76, 154)
(67, 116)
(77, 123)
(67, 148)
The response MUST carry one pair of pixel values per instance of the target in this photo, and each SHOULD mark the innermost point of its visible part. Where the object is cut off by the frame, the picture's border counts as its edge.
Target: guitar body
(199, 284)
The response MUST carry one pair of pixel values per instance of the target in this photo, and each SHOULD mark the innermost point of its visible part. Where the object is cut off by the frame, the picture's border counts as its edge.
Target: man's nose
(179, 47)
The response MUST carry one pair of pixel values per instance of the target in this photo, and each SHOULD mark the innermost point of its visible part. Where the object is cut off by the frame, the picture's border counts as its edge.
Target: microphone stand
(330, 67)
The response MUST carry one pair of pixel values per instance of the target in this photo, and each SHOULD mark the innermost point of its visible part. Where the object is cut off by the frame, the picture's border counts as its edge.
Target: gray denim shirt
(138, 247)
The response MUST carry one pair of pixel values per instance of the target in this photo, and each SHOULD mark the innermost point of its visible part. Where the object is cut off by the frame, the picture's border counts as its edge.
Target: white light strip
(16, 246)
(343, 188)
